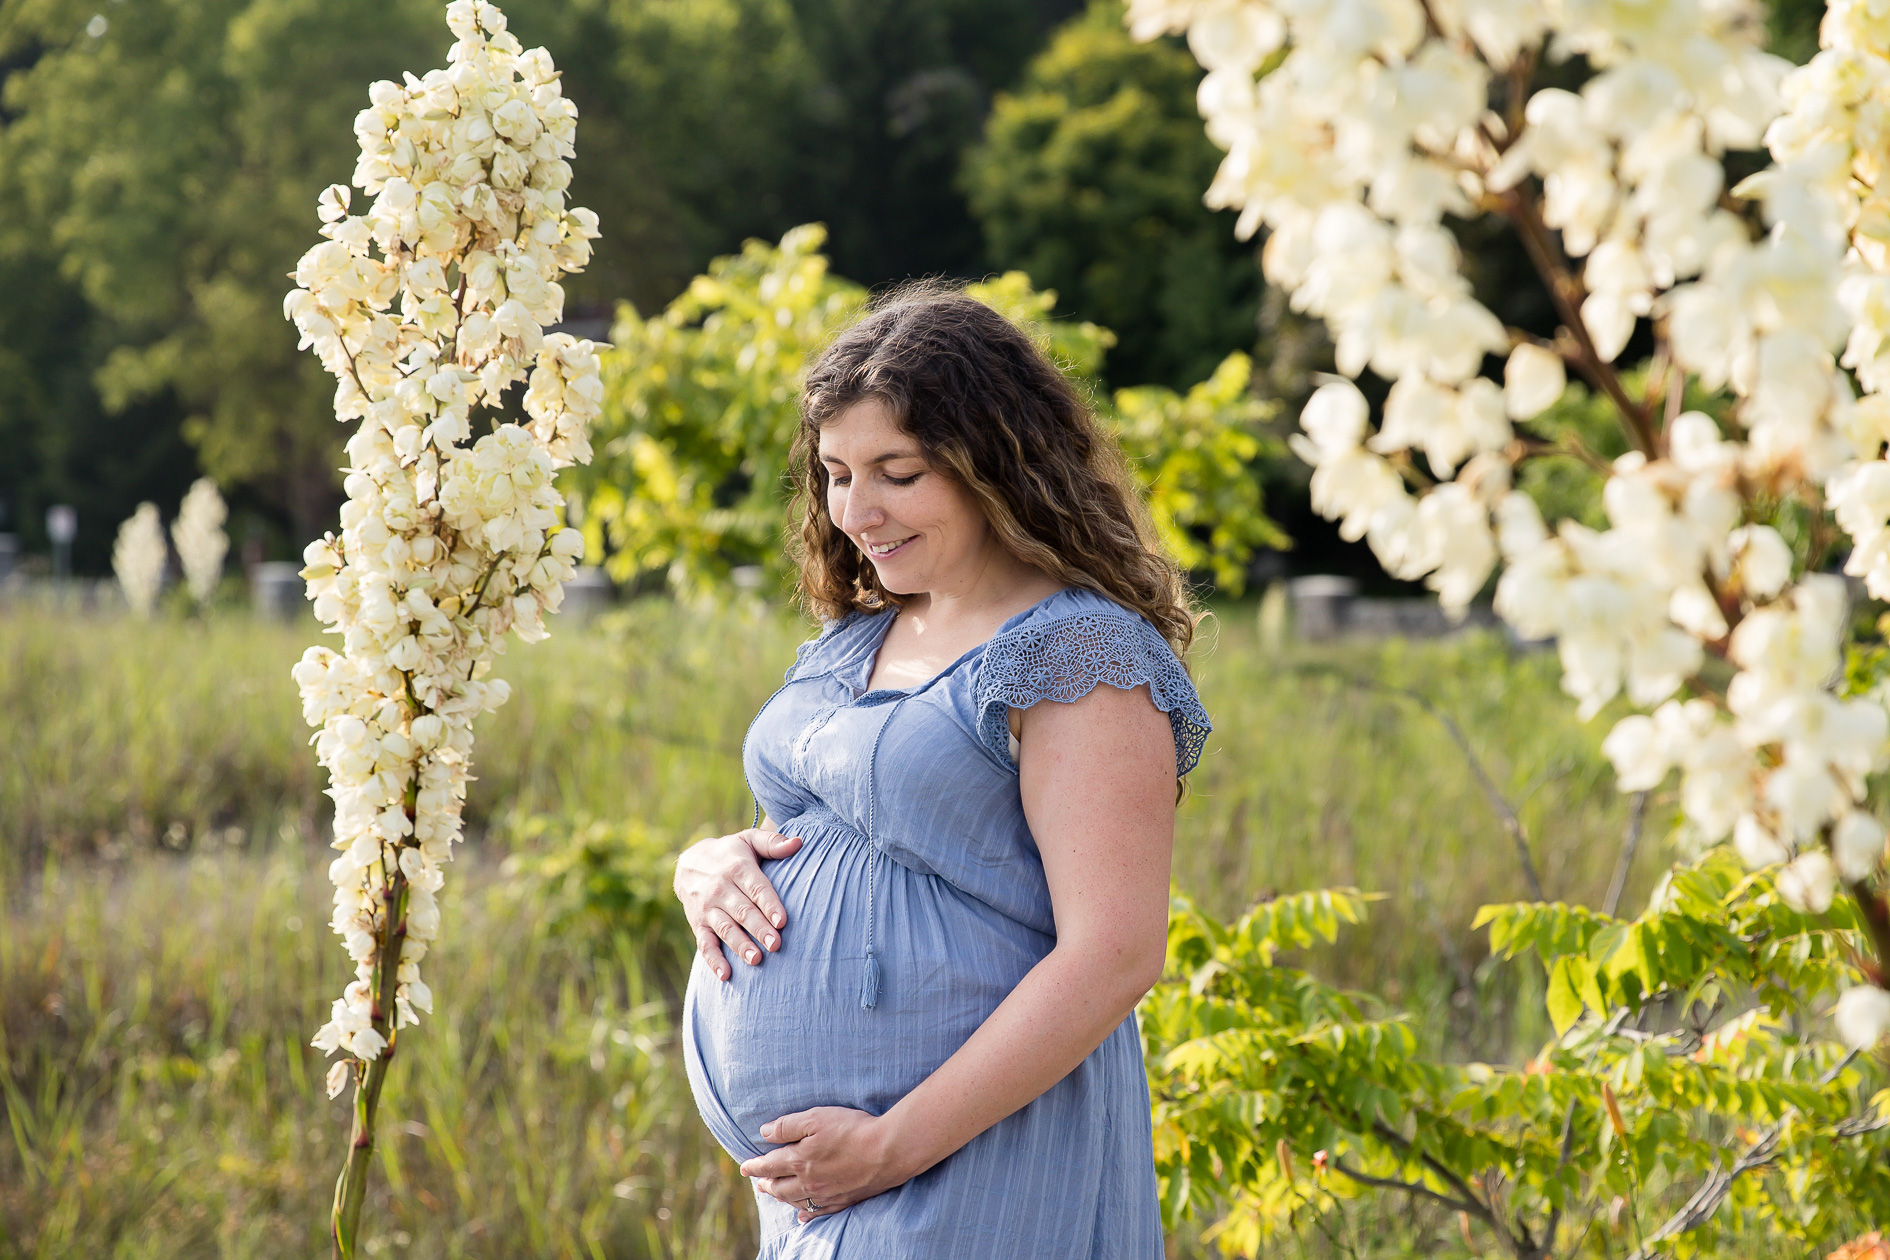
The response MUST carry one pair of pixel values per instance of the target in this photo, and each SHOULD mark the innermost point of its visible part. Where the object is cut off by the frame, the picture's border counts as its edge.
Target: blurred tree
(689, 116)
(62, 446)
(702, 403)
(1089, 178)
(905, 85)
(1792, 28)
(159, 163)
(168, 154)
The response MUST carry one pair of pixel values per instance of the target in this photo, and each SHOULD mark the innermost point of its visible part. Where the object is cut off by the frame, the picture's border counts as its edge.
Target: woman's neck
(995, 589)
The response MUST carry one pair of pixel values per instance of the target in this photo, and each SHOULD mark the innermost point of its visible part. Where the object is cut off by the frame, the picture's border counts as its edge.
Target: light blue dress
(915, 906)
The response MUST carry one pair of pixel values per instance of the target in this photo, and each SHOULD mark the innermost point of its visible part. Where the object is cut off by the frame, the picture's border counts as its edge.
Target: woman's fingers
(767, 846)
(774, 1166)
(749, 915)
(723, 925)
(789, 1128)
(826, 1209)
(761, 895)
(709, 945)
(791, 1191)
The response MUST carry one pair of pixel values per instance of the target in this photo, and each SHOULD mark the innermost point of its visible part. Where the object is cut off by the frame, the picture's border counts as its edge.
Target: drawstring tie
(869, 982)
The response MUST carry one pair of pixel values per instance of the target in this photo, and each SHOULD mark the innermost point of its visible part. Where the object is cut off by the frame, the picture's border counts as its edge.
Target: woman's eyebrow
(885, 457)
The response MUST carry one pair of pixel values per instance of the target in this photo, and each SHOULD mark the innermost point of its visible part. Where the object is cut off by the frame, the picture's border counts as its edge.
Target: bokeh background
(164, 955)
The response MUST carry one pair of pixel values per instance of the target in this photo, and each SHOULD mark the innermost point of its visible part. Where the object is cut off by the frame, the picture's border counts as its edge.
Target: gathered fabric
(915, 905)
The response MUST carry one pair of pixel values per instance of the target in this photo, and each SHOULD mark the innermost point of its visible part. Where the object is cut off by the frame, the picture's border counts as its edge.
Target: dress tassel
(869, 985)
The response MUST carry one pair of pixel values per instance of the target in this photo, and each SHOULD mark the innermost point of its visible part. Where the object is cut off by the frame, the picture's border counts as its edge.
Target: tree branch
(1705, 1201)
(1505, 813)
(1415, 1188)
(1566, 292)
(1876, 917)
(1637, 814)
(1486, 1211)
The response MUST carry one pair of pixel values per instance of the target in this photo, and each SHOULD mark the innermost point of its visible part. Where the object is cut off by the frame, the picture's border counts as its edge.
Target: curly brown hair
(987, 407)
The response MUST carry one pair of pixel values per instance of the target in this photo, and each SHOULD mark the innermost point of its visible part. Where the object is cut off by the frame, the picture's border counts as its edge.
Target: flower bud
(1808, 884)
(1863, 1016)
(1533, 380)
(1857, 843)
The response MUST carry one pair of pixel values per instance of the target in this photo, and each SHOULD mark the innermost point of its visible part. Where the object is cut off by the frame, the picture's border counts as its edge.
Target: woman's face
(921, 529)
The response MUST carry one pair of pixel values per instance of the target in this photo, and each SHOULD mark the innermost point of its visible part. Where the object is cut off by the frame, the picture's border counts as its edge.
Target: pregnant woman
(911, 1014)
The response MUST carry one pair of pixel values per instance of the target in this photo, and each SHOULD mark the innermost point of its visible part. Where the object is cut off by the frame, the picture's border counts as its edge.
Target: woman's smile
(884, 550)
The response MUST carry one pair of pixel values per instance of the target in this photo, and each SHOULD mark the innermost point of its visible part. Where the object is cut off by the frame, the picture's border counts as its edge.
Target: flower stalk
(351, 1188)
(425, 307)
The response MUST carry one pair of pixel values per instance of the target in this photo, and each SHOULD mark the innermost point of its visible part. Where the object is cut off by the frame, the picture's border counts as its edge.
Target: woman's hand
(723, 892)
(830, 1158)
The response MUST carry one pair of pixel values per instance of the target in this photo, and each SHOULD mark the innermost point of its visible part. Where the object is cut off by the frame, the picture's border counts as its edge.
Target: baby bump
(795, 1032)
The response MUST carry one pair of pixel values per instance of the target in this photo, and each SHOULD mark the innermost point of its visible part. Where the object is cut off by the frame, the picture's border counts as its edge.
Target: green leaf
(1565, 1003)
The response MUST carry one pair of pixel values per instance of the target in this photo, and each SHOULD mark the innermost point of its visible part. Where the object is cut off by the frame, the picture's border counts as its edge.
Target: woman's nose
(860, 512)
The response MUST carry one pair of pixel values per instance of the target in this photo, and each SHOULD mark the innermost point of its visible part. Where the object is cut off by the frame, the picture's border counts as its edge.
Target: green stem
(351, 1188)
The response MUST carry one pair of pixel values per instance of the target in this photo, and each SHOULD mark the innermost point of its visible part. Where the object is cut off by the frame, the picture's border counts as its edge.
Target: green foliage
(607, 883)
(1089, 178)
(159, 163)
(1196, 454)
(702, 403)
(1683, 1073)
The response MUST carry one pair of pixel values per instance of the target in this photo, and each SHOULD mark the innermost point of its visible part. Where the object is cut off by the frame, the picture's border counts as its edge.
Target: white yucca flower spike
(201, 543)
(138, 558)
(427, 303)
(1354, 131)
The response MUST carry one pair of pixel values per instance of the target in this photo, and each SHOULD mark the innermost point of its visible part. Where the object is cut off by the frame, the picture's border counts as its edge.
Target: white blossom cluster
(201, 543)
(139, 557)
(424, 307)
(1352, 128)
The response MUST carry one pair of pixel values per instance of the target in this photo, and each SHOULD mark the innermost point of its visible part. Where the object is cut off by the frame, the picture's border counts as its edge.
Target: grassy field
(164, 956)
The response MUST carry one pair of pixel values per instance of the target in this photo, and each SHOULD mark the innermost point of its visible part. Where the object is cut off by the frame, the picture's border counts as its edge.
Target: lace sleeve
(1063, 660)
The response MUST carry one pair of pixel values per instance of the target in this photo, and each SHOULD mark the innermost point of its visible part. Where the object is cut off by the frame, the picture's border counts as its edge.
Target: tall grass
(163, 1101)
(155, 1005)
(117, 731)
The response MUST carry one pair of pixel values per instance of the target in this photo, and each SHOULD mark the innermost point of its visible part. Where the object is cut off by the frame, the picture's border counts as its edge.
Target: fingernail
(753, 957)
(779, 921)
(771, 942)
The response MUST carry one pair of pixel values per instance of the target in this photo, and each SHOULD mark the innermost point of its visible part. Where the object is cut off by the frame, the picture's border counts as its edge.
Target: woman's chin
(897, 579)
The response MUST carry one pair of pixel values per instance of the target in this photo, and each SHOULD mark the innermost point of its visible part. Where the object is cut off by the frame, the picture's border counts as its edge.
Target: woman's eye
(905, 481)
(839, 481)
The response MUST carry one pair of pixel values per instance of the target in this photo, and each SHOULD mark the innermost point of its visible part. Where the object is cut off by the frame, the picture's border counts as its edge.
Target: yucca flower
(139, 557)
(201, 544)
(1351, 132)
(426, 307)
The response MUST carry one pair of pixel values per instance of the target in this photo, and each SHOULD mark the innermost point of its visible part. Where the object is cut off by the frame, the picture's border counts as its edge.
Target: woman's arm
(1098, 783)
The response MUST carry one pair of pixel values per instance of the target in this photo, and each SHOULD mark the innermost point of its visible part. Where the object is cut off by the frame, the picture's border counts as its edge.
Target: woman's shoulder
(1066, 646)
(1072, 611)
(828, 650)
